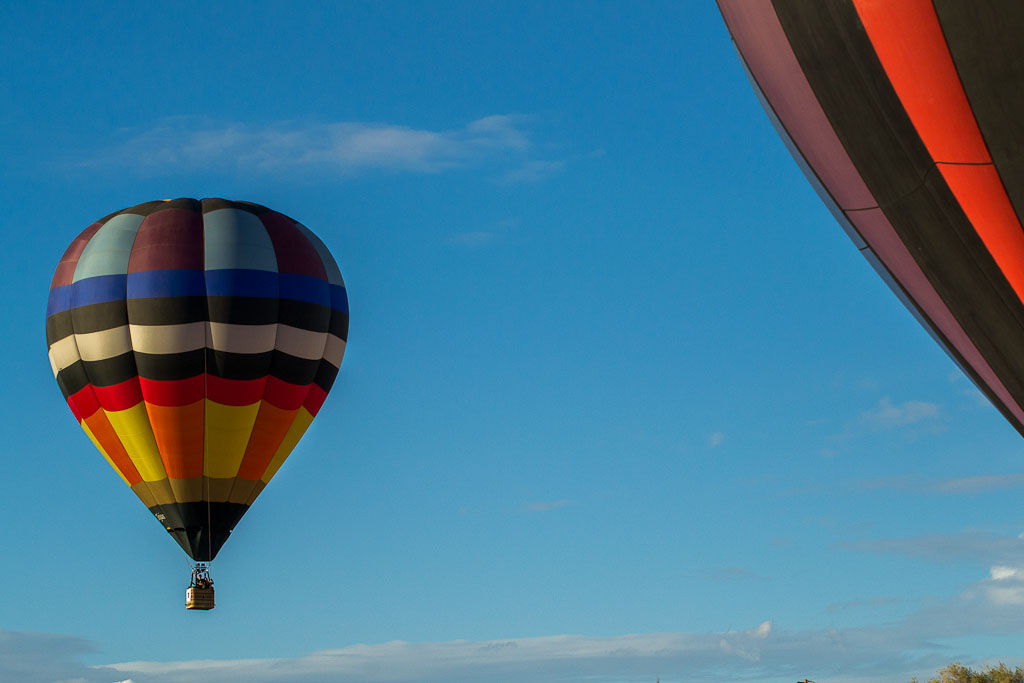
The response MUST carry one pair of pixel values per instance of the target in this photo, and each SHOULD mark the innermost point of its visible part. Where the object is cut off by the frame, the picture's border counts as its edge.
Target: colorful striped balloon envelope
(195, 341)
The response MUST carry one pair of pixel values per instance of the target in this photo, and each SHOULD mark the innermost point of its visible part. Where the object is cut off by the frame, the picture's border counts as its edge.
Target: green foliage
(958, 673)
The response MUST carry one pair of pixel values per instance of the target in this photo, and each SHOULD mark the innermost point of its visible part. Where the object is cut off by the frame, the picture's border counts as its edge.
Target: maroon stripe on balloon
(285, 395)
(66, 268)
(235, 392)
(168, 240)
(177, 392)
(295, 253)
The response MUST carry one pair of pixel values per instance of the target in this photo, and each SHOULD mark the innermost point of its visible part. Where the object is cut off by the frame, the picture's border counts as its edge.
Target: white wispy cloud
(346, 147)
(533, 171)
(491, 234)
(715, 439)
(979, 483)
(970, 546)
(887, 414)
(956, 485)
(872, 602)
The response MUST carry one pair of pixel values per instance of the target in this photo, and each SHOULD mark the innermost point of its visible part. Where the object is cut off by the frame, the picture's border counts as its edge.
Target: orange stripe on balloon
(912, 49)
(272, 424)
(178, 431)
(101, 428)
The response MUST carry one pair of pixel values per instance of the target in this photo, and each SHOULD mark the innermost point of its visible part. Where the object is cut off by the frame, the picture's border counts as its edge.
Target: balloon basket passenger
(199, 594)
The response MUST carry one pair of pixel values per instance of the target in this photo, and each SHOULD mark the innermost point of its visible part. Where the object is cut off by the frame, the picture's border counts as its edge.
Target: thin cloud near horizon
(895, 650)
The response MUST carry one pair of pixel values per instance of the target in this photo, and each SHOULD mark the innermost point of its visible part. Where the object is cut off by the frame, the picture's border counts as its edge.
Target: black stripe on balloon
(242, 310)
(984, 41)
(110, 371)
(215, 203)
(170, 366)
(339, 325)
(170, 310)
(325, 376)
(238, 365)
(149, 208)
(255, 209)
(58, 326)
(247, 366)
(144, 209)
(97, 317)
(847, 79)
(72, 379)
(304, 315)
(200, 528)
(179, 310)
(293, 369)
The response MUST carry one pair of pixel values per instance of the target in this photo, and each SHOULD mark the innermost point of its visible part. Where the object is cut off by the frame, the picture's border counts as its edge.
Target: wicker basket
(198, 598)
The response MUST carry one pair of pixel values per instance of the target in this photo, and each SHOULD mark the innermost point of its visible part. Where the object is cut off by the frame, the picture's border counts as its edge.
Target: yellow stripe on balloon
(96, 443)
(227, 434)
(132, 427)
(291, 437)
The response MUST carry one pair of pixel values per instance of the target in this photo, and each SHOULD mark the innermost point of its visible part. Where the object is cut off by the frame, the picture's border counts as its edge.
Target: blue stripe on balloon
(60, 300)
(175, 283)
(305, 288)
(97, 290)
(165, 283)
(339, 298)
(241, 282)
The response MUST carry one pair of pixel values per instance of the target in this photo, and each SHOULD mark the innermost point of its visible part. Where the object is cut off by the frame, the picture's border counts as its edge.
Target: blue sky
(621, 401)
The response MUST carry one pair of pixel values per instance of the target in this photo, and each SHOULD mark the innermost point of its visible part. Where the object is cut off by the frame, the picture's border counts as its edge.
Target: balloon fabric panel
(194, 341)
(891, 141)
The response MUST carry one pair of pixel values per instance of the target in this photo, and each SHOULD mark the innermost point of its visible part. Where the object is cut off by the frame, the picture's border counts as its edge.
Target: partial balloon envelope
(194, 341)
(908, 118)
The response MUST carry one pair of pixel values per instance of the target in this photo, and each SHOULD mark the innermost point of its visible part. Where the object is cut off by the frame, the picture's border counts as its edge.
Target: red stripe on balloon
(912, 49)
(119, 396)
(285, 395)
(83, 402)
(314, 399)
(235, 392)
(177, 392)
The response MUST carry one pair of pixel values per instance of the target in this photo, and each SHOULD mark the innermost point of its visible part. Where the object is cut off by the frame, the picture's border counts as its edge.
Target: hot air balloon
(908, 118)
(195, 341)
